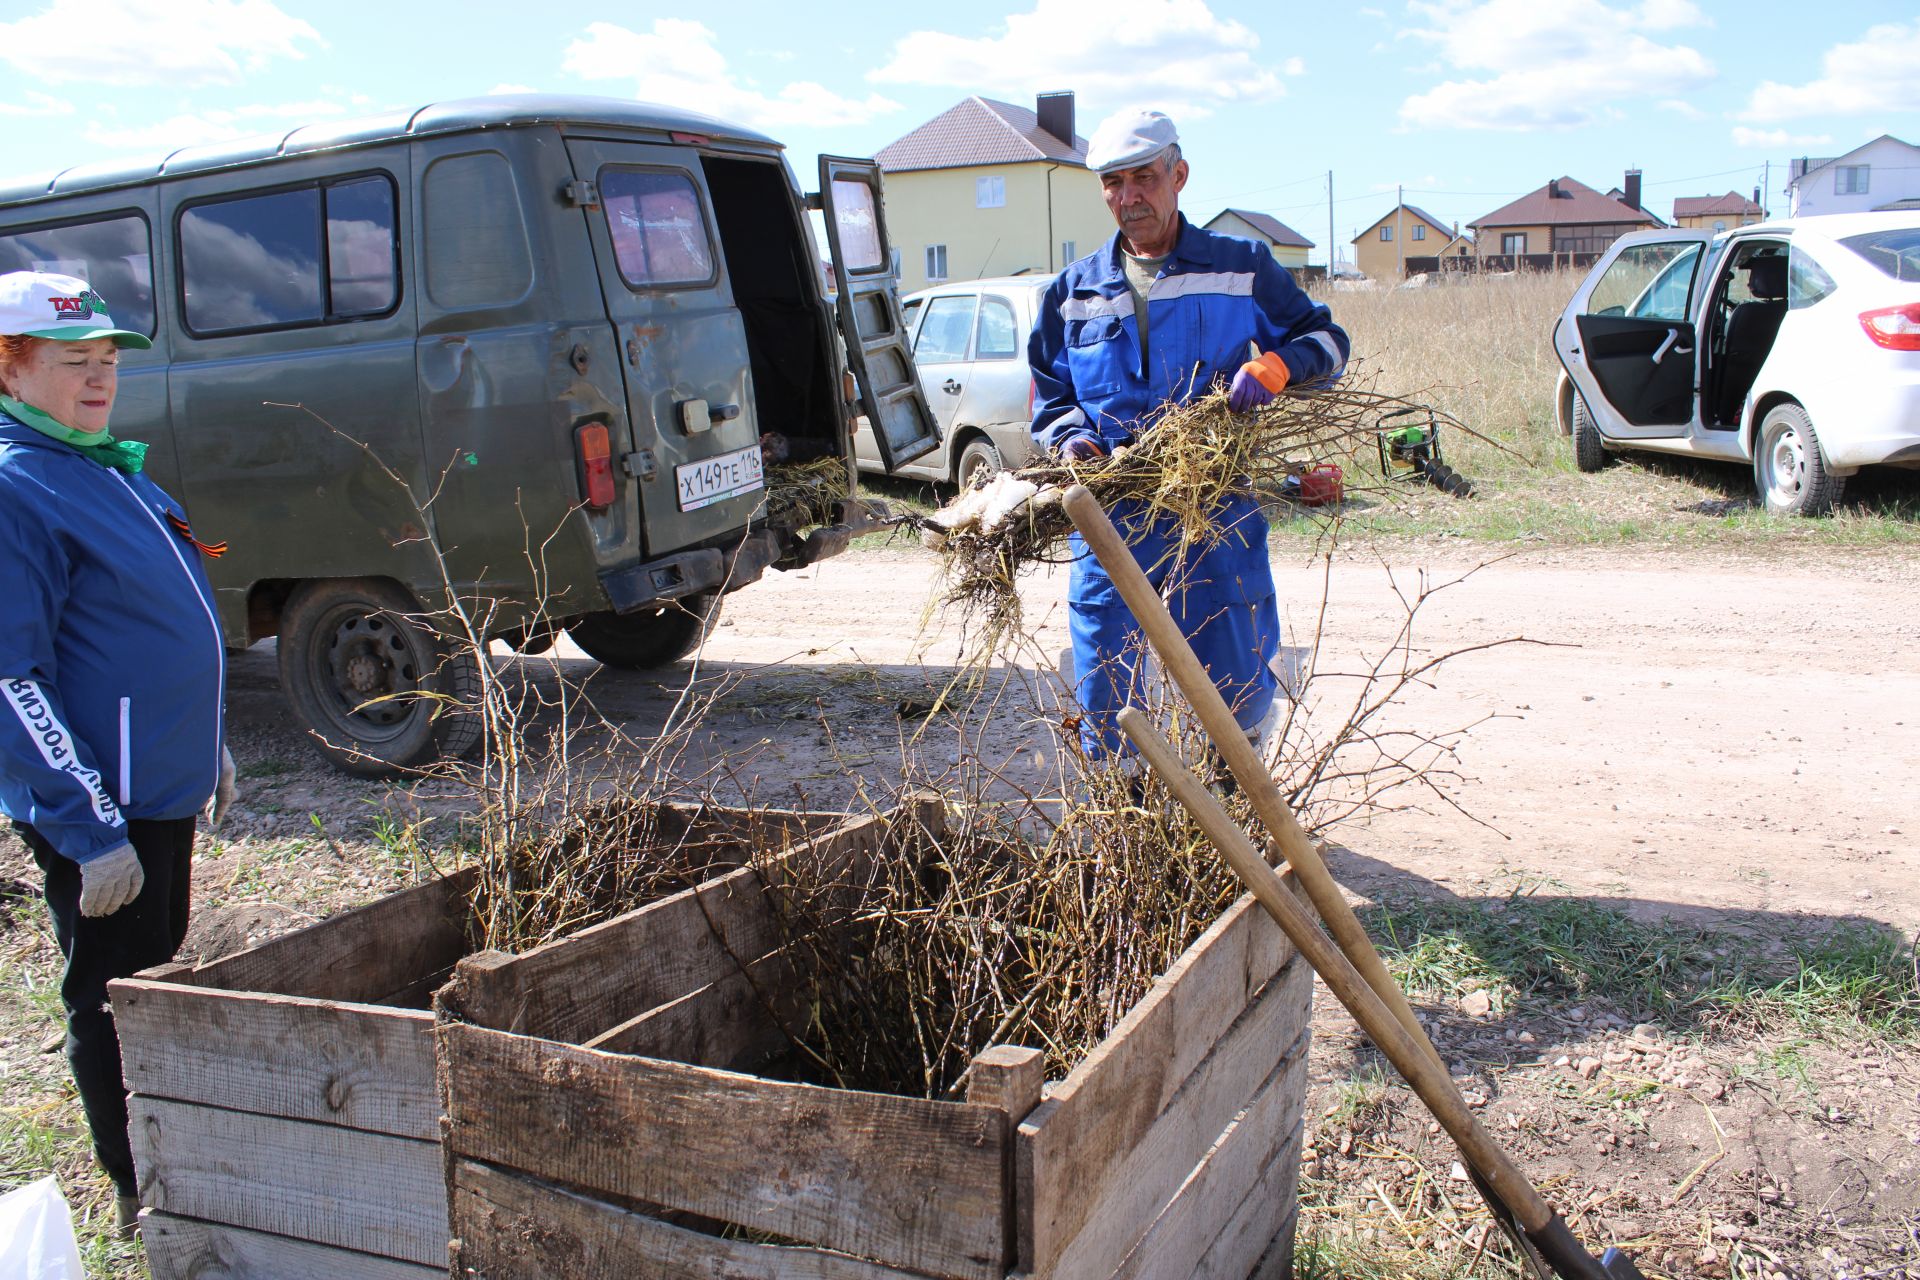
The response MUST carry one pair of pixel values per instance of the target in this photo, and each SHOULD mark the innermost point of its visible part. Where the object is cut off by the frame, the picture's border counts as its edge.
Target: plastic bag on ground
(36, 1234)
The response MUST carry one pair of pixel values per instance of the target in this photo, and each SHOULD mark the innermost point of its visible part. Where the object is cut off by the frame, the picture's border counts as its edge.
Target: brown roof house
(1717, 213)
(1288, 246)
(1405, 231)
(990, 189)
(1564, 224)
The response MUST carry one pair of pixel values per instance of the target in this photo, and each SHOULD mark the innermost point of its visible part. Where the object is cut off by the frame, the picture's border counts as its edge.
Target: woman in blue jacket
(111, 671)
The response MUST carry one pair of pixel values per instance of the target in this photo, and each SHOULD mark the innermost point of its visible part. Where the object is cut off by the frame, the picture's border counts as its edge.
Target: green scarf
(127, 455)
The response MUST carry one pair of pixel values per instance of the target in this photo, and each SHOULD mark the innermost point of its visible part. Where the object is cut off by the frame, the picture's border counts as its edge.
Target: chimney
(1553, 188)
(1632, 188)
(1756, 199)
(1055, 111)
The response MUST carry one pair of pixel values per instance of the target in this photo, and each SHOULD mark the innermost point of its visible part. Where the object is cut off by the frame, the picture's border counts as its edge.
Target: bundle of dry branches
(1193, 458)
(804, 494)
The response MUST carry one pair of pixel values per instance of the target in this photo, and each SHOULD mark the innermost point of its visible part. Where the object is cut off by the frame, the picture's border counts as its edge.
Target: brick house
(1405, 231)
(1563, 224)
(1717, 213)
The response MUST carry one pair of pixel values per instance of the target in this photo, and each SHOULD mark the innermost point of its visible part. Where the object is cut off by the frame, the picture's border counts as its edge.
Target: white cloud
(1294, 67)
(198, 128)
(677, 62)
(1682, 108)
(1745, 137)
(181, 44)
(1174, 55)
(37, 104)
(1549, 66)
(1873, 76)
(510, 89)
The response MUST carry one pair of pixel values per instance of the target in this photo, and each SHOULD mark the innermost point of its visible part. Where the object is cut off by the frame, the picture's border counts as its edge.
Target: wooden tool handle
(1178, 658)
(1412, 1057)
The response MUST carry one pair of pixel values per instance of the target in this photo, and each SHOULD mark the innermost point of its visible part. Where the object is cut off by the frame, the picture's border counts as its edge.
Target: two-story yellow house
(1716, 213)
(1405, 231)
(991, 189)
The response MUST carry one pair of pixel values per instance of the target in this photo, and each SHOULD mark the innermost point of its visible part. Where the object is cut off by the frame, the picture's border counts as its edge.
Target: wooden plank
(188, 1249)
(1010, 1079)
(515, 1228)
(1218, 1214)
(1145, 1174)
(363, 1191)
(362, 1066)
(577, 987)
(902, 1181)
(1083, 1133)
(1273, 1203)
(735, 1023)
(363, 955)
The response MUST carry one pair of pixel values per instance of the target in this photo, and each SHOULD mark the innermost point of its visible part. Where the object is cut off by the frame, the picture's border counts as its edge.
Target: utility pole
(1333, 246)
(1399, 227)
(1766, 187)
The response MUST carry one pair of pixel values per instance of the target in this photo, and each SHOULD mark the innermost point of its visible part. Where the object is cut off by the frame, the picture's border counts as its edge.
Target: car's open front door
(870, 321)
(1627, 338)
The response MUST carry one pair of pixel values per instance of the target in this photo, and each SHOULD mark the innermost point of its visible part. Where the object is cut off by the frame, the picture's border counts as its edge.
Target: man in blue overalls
(1162, 313)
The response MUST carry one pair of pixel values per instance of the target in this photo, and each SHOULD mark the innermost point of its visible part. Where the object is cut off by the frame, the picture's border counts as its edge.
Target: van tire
(347, 641)
(1588, 453)
(648, 637)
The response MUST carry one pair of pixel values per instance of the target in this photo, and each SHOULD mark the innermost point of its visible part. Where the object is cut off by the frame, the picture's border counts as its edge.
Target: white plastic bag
(36, 1235)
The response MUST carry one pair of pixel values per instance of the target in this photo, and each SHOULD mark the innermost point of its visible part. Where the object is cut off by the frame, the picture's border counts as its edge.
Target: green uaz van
(524, 347)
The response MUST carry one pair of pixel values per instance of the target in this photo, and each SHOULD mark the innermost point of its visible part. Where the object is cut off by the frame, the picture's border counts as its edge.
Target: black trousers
(98, 949)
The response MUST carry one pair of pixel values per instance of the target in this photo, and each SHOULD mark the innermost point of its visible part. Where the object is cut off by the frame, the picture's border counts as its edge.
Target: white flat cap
(1129, 139)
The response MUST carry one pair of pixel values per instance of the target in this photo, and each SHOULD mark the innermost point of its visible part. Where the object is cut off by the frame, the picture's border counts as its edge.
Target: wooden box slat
(366, 1068)
(527, 1230)
(1074, 1146)
(316, 1182)
(217, 1251)
(899, 1180)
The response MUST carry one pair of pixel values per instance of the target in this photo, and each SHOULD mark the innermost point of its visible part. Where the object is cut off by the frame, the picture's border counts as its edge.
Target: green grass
(1849, 982)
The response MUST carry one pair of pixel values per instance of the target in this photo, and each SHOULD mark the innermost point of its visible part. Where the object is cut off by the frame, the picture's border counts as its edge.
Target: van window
(995, 337)
(112, 254)
(288, 258)
(659, 232)
(944, 333)
(476, 239)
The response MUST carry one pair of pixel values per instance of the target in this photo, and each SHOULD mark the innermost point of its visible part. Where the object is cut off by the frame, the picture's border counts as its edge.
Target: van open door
(869, 309)
(1627, 338)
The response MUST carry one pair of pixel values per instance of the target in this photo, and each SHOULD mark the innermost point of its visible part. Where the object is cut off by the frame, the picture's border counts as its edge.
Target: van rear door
(870, 320)
(695, 451)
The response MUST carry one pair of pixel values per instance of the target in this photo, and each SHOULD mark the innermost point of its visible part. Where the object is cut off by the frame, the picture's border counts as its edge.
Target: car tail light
(1897, 328)
(1030, 395)
(596, 465)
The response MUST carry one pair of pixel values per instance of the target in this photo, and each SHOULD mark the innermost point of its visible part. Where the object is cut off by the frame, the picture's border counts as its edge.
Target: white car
(969, 342)
(1793, 346)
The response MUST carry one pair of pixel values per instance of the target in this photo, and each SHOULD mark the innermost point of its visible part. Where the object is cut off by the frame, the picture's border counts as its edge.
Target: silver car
(970, 345)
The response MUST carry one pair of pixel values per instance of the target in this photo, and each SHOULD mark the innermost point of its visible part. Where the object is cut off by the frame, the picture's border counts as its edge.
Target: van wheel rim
(1786, 463)
(368, 660)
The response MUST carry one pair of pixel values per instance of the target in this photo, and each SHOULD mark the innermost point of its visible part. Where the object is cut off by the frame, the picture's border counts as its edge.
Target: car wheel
(648, 637)
(1788, 472)
(979, 463)
(1588, 453)
(378, 691)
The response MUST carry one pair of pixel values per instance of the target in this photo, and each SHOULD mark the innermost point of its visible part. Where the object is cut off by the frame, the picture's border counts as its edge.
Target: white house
(1873, 176)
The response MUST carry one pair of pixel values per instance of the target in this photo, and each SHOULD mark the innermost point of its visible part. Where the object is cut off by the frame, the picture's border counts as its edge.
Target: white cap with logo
(1129, 139)
(42, 304)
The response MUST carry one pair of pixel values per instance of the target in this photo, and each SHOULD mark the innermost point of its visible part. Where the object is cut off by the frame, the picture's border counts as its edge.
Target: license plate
(711, 480)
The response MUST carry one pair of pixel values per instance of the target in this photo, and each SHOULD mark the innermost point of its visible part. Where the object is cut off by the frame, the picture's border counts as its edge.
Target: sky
(1466, 104)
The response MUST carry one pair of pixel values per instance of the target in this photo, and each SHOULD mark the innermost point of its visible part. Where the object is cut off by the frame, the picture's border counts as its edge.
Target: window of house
(995, 336)
(1719, 225)
(1513, 243)
(989, 193)
(312, 255)
(1069, 252)
(1419, 232)
(111, 254)
(1386, 233)
(936, 262)
(945, 328)
(659, 229)
(475, 242)
(1850, 180)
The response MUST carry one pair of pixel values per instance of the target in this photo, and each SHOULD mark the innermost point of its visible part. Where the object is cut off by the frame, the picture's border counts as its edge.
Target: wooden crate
(588, 1141)
(284, 1114)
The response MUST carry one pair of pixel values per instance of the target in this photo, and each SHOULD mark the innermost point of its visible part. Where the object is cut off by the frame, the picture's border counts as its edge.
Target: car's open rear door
(870, 320)
(1627, 339)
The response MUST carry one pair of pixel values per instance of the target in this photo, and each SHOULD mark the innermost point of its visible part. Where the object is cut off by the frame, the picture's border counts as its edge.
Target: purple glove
(1082, 449)
(1257, 383)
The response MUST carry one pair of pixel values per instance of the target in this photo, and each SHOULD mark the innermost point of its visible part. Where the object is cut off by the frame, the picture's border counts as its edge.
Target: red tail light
(1896, 328)
(1030, 394)
(596, 465)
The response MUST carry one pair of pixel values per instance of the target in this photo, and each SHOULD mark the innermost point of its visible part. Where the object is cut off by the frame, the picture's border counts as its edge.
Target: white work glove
(223, 792)
(110, 881)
